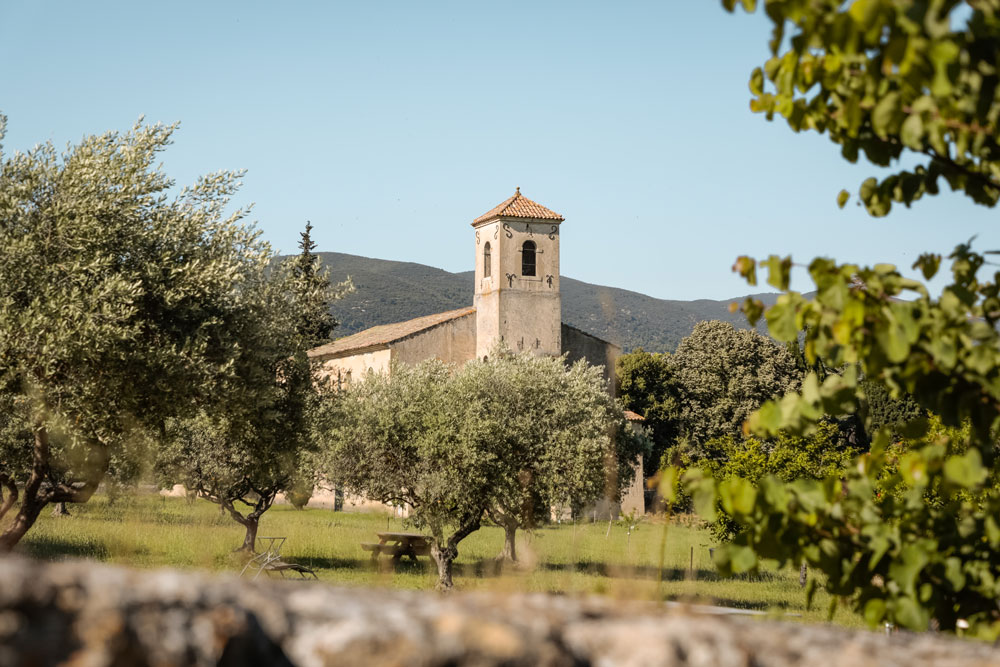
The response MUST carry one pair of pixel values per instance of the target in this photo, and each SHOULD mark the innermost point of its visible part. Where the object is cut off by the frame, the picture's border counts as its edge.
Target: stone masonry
(85, 614)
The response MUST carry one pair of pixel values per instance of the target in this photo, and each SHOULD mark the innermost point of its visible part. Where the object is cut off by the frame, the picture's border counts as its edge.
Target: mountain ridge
(390, 291)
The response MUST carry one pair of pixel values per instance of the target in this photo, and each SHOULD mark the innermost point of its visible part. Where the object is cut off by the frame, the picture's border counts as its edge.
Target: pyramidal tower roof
(518, 206)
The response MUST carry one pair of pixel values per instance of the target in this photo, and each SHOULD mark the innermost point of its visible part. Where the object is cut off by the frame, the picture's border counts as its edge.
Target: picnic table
(398, 545)
(269, 560)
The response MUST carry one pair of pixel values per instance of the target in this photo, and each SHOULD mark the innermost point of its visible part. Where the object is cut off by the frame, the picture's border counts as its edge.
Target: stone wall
(578, 345)
(342, 371)
(453, 342)
(81, 613)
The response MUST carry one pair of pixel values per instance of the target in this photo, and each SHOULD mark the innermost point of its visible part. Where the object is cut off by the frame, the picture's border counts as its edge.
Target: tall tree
(725, 374)
(314, 293)
(120, 305)
(647, 385)
(311, 294)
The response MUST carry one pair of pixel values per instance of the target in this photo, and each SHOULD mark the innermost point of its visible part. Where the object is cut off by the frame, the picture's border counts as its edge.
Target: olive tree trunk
(444, 552)
(250, 539)
(444, 558)
(10, 497)
(509, 551)
(40, 489)
(510, 523)
(259, 502)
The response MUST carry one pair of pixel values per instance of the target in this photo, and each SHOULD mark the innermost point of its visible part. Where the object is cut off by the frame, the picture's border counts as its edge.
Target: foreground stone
(84, 614)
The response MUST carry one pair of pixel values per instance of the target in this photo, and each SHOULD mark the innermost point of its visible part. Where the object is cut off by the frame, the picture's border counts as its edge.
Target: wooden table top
(403, 536)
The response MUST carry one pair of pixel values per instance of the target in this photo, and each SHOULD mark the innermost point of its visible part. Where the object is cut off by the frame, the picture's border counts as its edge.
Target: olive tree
(242, 459)
(405, 438)
(242, 449)
(566, 439)
(247, 446)
(456, 443)
(121, 304)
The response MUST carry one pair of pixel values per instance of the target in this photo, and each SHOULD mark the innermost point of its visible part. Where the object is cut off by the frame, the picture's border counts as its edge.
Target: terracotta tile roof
(386, 333)
(518, 206)
(633, 416)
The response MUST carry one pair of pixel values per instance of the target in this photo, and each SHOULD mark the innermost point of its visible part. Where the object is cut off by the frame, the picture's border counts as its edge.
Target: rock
(92, 615)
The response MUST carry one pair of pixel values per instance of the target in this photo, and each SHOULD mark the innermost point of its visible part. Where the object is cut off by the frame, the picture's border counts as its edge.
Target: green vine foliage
(785, 457)
(910, 534)
(887, 78)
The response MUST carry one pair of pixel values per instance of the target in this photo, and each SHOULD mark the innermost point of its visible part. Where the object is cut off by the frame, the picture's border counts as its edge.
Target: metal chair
(268, 559)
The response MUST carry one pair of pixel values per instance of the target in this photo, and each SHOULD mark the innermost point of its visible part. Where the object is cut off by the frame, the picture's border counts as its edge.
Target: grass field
(148, 531)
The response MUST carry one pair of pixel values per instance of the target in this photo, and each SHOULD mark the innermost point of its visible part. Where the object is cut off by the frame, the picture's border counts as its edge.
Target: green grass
(148, 531)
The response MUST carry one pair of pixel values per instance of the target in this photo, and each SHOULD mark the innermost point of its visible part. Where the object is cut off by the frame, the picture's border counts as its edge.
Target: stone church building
(516, 300)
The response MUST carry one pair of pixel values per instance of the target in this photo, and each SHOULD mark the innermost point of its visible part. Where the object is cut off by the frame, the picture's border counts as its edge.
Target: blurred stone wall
(79, 613)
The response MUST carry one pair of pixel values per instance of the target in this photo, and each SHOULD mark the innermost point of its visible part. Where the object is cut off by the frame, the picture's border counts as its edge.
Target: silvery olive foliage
(122, 303)
(555, 422)
(454, 443)
(242, 453)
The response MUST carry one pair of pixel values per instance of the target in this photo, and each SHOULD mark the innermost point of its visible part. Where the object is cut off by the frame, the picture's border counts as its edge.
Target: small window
(528, 258)
(487, 261)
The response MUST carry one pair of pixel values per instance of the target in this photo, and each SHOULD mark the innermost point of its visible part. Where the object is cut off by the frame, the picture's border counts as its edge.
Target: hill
(389, 291)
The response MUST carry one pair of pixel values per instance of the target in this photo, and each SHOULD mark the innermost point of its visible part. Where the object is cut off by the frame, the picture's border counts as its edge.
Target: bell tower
(517, 278)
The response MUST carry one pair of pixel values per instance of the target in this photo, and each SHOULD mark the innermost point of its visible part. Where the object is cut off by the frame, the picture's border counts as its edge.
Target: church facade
(516, 300)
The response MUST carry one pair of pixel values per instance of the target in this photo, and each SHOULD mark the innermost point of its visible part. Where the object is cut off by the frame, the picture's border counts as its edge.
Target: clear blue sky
(391, 125)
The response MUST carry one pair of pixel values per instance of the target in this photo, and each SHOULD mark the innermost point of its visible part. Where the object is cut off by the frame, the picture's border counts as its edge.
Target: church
(516, 301)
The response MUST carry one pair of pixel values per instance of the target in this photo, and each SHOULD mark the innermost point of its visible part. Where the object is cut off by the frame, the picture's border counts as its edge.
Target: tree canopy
(120, 306)
(647, 385)
(724, 375)
(453, 444)
(567, 442)
(243, 453)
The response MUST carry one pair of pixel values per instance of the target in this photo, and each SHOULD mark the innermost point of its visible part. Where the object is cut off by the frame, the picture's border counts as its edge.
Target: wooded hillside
(389, 291)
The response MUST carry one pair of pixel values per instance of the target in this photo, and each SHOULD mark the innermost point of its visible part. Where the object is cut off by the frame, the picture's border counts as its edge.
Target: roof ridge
(517, 195)
(518, 206)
